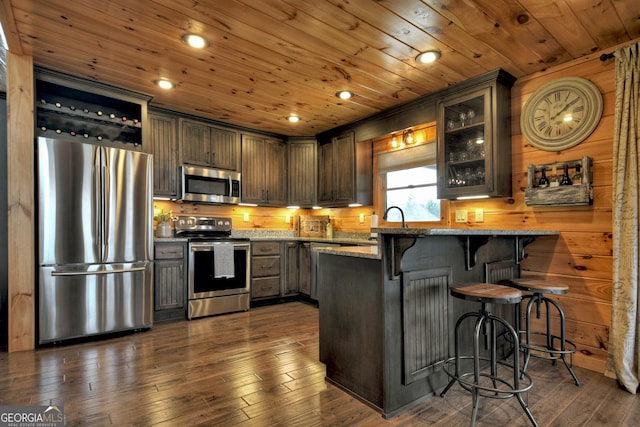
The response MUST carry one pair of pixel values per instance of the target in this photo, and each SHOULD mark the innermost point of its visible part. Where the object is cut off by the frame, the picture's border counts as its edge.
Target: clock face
(561, 114)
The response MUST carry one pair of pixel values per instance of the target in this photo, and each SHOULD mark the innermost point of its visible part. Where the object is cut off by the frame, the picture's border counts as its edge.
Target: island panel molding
(561, 113)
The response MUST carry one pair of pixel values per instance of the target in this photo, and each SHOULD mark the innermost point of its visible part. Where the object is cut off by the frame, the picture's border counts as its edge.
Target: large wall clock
(561, 114)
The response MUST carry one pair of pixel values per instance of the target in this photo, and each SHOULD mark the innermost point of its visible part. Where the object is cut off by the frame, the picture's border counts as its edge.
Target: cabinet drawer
(265, 266)
(169, 251)
(265, 248)
(267, 287)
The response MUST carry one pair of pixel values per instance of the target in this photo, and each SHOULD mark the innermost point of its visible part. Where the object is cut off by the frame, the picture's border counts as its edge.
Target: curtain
(623, 362)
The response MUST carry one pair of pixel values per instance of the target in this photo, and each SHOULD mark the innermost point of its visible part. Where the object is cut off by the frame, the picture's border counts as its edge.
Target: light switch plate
(479, 215)
(461, 215)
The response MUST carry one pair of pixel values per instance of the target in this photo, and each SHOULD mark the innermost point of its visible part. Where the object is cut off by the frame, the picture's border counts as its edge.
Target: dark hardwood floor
(261, 368)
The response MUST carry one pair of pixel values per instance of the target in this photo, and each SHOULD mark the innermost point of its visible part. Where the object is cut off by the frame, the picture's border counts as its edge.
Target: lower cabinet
(304, 268)
(265, 269)
(170, 281)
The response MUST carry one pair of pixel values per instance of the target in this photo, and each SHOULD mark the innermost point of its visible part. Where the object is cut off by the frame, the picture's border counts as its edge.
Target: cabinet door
(275, 168)
(303, 166)
(164, 147)
(344, 165)
(169, 285)
(196, 143)
(304, 268)
(253, 188)
(225, 148)
(325, 173)
(474, 142)
(291, 279)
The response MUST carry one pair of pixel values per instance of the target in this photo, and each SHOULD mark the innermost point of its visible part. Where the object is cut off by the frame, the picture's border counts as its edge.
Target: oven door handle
(199, 247)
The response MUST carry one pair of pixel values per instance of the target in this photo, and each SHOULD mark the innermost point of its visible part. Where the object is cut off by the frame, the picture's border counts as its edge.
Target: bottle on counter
(576, 179)
(554, 181)
(329, 230)
(565, 180)
(544, 181)
(374, 224)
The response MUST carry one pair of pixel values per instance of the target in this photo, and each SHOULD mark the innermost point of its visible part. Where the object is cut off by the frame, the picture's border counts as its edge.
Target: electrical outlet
(361, 218)
(461, 215)
(479, 215)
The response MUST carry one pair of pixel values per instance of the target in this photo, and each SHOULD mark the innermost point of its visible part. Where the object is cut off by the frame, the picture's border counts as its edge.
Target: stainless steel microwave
(207, 185)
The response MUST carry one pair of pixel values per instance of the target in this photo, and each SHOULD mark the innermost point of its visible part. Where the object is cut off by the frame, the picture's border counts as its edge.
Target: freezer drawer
(80, 301)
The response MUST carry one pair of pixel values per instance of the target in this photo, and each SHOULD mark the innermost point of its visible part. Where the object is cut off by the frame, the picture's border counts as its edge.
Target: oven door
(203, 282)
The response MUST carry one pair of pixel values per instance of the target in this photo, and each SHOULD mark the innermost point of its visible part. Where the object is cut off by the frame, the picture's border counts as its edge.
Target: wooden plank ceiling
(270, 58)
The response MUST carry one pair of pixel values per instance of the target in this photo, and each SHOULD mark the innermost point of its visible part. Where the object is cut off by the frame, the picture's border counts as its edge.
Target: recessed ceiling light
(195, 40)
(429, 56)
(293, 118)
(164, 84)
(344, 94)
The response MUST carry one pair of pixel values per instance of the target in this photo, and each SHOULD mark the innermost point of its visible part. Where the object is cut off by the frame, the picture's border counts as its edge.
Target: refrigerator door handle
(106, 198)
(93, 273)
(97, 204)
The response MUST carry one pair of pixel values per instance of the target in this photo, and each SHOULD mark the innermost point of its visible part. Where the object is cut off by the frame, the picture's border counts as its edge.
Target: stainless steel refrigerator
(95, 240)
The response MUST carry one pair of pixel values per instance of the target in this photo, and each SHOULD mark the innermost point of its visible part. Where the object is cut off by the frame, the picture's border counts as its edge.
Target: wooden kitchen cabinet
(345, 172)
(304, 268)
(474, 138)
(303, 172)
(210, 146)
(264, 171)
(292, 269)
(170, 281)
(266, 267)
(163, 141)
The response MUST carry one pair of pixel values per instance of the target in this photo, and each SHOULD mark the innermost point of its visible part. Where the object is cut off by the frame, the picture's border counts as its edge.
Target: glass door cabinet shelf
(474, 139)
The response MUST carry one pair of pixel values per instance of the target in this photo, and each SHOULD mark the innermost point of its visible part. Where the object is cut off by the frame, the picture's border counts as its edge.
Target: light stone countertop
(461, 232)
(370, 252)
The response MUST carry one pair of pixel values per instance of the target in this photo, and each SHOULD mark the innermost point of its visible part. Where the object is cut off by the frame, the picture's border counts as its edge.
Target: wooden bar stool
(555, 347)
(494, 384)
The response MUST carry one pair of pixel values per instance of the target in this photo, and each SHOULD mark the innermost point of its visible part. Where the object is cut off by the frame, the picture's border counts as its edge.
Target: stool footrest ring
(495, 392)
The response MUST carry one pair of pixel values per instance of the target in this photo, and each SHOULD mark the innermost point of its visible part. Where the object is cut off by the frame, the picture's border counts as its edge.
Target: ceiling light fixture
(195, 41)
(345, 94)
(429, 56)
(164, 84)
(293, 118)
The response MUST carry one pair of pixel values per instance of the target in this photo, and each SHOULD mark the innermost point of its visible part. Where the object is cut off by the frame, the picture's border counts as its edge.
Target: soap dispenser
(329, 230)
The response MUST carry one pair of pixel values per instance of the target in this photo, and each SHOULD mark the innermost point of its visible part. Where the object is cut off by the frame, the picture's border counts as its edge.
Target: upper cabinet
(303, 172)
(474, 138)
(70, 107)
(345, 172)
(163, 142)
(264, 170)
(210, 146)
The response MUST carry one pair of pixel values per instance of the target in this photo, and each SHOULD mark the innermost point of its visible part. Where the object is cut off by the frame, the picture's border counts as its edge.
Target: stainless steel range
(219, 266)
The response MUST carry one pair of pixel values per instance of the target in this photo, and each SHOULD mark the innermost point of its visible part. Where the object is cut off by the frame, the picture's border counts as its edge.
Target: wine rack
(563, 195)
(69, 107)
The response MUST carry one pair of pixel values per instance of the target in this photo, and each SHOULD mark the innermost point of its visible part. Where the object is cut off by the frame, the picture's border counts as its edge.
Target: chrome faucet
(384, 217)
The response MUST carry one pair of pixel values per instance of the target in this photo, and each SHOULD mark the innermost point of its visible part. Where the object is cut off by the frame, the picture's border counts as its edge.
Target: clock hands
(565, 108)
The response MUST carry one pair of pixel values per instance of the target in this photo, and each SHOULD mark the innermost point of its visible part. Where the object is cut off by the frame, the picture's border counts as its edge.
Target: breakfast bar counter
(386, 316)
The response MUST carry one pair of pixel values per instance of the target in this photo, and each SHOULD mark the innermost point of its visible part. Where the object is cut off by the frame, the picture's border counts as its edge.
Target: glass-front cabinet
(474, 141)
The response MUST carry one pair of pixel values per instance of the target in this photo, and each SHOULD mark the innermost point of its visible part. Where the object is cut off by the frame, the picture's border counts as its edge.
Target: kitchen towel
(223, 260)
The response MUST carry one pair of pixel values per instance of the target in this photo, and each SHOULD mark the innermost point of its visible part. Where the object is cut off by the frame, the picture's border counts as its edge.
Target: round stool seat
(535, 285)
(488, 293)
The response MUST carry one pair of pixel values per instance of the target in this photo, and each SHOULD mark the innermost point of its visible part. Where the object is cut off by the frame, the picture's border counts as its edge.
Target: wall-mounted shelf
(563, 195)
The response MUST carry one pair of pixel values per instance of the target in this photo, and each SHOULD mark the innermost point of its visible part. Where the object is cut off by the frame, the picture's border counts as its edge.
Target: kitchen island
(386, 316)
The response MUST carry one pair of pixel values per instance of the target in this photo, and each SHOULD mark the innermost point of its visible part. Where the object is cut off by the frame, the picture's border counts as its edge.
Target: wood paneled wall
(581, 256)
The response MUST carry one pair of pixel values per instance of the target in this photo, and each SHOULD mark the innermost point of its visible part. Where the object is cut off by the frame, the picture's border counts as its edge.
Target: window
(409, 180)
(413, 190)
